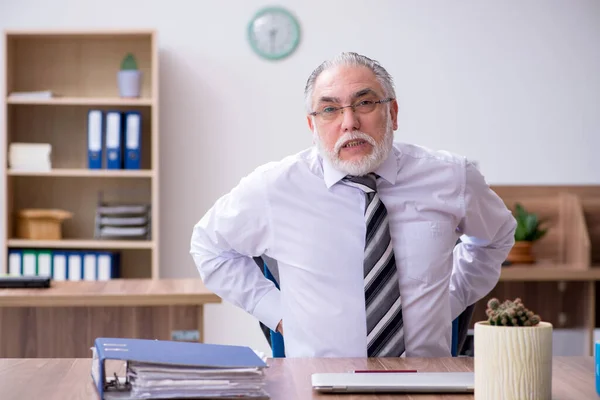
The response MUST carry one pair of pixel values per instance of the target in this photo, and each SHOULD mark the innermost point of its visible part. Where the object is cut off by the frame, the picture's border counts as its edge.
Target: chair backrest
(276, 338)
(460, 326)
(463, 322)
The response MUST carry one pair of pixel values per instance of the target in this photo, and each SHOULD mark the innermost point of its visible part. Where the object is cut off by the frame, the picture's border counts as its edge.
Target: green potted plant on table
(129, 77)
(528, 231)
(513, 353)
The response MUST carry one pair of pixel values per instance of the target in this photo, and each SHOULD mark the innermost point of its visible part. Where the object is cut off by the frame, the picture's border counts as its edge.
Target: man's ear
(394, 113)
(310, 123)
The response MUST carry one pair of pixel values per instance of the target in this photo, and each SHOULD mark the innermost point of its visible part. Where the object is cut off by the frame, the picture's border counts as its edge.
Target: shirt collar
(388, 170)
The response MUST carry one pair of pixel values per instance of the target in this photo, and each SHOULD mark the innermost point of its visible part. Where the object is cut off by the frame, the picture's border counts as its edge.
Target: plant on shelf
(129, 63)
(528, 230)
(129, 77)
(513, 353)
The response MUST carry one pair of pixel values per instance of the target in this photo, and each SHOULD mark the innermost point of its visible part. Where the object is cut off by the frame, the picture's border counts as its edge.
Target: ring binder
(169, 369)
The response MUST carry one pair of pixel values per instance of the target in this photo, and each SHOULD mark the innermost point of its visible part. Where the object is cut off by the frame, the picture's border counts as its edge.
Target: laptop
(401, 382)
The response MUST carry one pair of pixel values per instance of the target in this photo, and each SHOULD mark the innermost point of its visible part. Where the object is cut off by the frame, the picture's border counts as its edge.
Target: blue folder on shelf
(133, 138)
(114, 139)
(95, 143)
(168, 354)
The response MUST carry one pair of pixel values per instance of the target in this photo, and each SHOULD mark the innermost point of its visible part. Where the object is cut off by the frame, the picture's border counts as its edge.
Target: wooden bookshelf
(80, 68)
(561, 286)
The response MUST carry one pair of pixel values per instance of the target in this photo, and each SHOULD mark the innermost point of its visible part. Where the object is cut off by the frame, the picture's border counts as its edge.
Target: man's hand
(280, 327)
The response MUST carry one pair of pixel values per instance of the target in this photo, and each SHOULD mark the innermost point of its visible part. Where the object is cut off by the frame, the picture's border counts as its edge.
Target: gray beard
(366, 164)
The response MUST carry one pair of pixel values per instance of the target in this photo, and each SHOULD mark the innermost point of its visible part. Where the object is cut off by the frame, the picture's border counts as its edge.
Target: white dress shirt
(298, 212)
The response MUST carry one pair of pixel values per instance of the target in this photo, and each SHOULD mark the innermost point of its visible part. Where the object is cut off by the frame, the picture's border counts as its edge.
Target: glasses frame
(353, 106)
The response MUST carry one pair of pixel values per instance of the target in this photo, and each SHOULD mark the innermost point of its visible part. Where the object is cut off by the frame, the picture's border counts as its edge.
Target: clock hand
(272, 34)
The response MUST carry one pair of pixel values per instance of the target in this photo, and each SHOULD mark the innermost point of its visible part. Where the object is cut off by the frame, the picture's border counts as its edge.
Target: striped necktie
(385, 332)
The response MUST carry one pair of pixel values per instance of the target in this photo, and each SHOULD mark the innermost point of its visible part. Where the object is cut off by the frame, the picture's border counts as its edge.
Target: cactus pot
(130, 83)
(513, 362)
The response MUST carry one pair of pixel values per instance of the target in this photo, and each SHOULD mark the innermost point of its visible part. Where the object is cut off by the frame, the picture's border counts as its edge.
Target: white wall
(495, 81)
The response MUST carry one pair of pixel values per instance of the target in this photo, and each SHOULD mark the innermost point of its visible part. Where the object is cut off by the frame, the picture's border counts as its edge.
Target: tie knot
(367, 183)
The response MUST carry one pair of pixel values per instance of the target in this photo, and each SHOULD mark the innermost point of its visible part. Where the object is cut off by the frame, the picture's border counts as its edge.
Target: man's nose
(350, 121)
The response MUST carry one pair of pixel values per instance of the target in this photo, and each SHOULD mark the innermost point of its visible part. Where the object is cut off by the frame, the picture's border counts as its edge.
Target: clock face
(274, 33)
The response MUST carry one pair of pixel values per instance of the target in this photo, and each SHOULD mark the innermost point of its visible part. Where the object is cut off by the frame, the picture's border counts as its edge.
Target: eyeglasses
(330, 113)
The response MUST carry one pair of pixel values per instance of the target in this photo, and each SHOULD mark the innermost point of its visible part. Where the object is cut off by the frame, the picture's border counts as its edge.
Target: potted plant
(513, 353)
(129, 77)
(528, 231)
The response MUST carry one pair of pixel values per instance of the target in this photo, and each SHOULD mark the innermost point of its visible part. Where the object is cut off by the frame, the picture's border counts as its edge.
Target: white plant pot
(513, 362)
(130, 83)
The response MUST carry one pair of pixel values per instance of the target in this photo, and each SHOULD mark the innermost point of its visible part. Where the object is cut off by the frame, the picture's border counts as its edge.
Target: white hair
(350, 59)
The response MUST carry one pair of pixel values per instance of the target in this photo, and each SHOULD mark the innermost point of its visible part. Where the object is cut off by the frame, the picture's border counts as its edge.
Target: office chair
(460, 325)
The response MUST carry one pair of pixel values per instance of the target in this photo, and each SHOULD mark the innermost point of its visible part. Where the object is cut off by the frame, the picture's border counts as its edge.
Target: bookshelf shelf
(82, 101)
(82, 244)
(548, 273)
(85, 173)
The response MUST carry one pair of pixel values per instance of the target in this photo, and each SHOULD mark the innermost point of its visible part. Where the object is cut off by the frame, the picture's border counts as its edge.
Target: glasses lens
(329, 113)
(365, 106)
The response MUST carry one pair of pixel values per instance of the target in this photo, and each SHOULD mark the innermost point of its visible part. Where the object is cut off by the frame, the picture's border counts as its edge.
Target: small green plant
(510, 313)
(129, 63)
(528, 225)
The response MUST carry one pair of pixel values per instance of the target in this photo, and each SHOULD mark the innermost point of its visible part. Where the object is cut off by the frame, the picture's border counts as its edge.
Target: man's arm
(223, 243)
(487, 229)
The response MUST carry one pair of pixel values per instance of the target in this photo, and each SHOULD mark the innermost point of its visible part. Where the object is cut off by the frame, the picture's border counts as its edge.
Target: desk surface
(289, 379)
(115, 292)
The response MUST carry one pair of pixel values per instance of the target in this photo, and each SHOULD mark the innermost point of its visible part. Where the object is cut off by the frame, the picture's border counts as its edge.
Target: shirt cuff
(456, 306)
(268, 309)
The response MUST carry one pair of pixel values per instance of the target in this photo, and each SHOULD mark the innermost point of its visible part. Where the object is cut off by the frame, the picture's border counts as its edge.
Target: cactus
(510, 313)
(129, 63)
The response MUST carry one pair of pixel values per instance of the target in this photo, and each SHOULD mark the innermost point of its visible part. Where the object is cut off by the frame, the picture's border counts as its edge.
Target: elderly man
(363, 230)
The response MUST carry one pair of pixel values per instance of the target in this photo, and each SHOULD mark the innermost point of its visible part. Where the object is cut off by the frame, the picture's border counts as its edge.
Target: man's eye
(366, 103)
(329, 110)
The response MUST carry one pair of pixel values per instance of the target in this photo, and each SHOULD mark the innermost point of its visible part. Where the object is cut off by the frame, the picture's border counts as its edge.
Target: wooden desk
(63, 320)
(287, 379)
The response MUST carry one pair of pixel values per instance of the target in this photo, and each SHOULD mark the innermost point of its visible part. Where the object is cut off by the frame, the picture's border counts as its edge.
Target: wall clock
(274, 33)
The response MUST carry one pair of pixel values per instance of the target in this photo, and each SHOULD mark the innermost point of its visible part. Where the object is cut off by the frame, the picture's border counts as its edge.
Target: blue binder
(74, 266)
(114, 139)
(60, 265)
(168, 353)
(133, 139)
(94, 139)
(108, 265)
(15, 262)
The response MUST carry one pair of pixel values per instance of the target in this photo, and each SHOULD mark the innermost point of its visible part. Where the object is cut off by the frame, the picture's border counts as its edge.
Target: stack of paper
(152, 381)
(123, 221)
(41, 94)
(30, 157)
(157, 369)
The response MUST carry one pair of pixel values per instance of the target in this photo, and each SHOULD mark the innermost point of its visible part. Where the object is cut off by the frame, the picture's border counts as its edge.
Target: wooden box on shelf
(41, 224)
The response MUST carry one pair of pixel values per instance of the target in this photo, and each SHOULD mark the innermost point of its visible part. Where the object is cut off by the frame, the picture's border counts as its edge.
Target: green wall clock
(274, 33)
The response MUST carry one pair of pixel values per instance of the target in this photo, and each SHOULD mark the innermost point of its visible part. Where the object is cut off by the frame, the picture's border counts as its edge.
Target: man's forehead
(345, 81)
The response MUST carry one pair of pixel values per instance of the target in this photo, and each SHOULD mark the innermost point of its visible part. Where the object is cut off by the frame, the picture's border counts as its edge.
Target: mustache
(355, 135)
